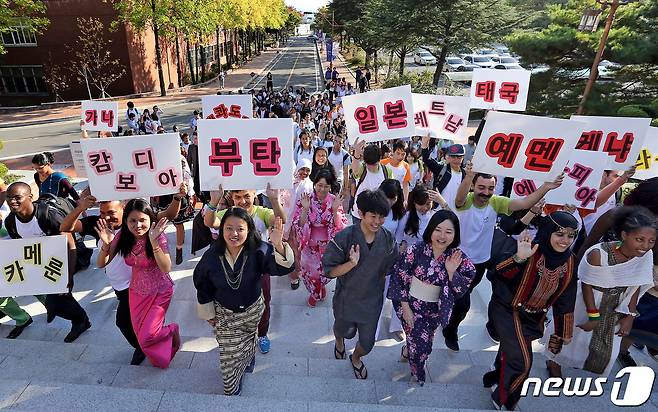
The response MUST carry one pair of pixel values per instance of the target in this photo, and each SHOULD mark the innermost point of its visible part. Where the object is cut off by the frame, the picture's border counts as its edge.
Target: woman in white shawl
(613, 276)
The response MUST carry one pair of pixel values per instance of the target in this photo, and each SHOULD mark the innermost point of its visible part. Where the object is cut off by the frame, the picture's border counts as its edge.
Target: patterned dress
(419, 262)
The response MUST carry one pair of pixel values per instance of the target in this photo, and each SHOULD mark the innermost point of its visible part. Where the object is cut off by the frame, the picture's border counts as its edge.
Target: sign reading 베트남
(442, 117)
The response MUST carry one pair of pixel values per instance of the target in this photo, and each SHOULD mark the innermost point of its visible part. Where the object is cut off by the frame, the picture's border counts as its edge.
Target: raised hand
(272, 194)
(87, 201)
(452, 263)
(157, 229)
(182, 189)
(216, 195)
(538, 207)
(436, 197)
(524, 247)
(276, 234)
(359, 145)
(468, 169)
(354, 255)
(305, 200)
(338, 201)
(105, 234)
(555, 183)
(629, 173)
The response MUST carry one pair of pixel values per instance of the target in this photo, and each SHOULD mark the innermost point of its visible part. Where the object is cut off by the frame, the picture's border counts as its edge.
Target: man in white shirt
(368, 172)
(341, 160)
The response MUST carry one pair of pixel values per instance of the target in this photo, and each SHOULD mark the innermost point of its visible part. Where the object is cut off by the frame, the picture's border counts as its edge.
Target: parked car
(500, 66)
(453, 63)
(482, 61)
(505, 60)
(423, 57)
(486, 52)
(502, 51)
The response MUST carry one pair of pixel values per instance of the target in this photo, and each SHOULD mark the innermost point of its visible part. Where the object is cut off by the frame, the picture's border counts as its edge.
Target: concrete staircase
(39, 371)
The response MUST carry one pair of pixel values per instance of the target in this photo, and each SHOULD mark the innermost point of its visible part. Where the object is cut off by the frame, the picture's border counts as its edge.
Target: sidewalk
(235, 80)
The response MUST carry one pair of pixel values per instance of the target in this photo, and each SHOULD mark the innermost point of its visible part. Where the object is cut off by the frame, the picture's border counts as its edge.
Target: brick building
(21, 68)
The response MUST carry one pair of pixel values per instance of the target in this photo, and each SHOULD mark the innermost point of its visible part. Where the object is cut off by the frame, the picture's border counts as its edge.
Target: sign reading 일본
(34, 266)
(647, 161)
(525, 147)
(78, 159)
(245, 154)
(100, 116)
(620, 138)
(443, 117)
(134, 166)
(227, 107)
(582, 177)
(380, 114)
(500, 89)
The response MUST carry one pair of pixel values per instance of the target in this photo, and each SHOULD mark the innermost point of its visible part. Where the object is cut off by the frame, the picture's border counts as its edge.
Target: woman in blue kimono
(425, 283)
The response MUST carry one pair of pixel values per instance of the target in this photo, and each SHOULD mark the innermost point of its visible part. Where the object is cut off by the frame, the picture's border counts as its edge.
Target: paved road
(296, 66)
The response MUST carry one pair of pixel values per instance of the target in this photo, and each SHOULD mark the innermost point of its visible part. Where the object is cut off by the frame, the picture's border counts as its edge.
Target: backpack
(46, 204)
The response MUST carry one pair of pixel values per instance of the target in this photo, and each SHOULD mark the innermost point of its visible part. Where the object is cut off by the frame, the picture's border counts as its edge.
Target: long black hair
(418, 196)
(645, 194)
(436, 220)
(127, 239)
(392, 188)
(316, 168)
(253, 240)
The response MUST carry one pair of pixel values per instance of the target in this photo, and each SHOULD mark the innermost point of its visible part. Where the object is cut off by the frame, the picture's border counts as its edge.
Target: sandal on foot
(359, 373)
(339, 354)
(404, 358)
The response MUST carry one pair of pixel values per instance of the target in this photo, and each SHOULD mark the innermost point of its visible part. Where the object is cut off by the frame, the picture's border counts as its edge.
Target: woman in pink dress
(316, 220)
(143, 245)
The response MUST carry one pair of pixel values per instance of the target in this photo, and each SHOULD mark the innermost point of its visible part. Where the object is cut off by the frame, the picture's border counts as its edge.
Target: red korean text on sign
(504, 147)
(586, 195)
(366, 117)
(101, 161)
(524, 187)
(107, 117)
(485, 90)
(167, 178)
(541, 153)
(590, 140)
(265, 155)
(579, 172)
(235, 111)
(126, 182)
(438, 108)
(619, 148)
(219, 112)
(144, 158)
(91, 116)
(509, 91)
(453, 123)
(225, 155)
(420, 119)
(395, 115)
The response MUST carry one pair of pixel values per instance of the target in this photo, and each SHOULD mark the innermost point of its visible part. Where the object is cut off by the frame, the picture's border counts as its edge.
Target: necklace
(232, 279)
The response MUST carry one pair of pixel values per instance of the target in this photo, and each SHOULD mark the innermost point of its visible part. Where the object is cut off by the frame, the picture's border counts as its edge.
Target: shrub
(631, 111)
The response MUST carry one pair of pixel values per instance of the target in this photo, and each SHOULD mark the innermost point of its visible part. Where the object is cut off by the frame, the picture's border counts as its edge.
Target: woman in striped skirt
(228, 283)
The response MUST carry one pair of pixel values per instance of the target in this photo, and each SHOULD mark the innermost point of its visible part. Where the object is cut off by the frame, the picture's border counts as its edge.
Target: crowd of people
(408, 221)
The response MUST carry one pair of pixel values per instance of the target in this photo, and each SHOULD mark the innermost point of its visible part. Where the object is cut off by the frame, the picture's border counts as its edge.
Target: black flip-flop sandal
(402, 357)
(359, 373)
(338, 354)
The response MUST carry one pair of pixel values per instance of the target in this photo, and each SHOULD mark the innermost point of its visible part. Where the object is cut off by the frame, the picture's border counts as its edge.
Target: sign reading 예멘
(443, 117)
(380, 114)
(100, 116)
(245, 154)
(525, 147)
(34, 266)
(227, 107)
(134, 166)
(620, 137)
(500, 89)
(647, 162)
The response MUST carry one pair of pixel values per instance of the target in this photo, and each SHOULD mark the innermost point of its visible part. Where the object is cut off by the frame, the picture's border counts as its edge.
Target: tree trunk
(203, 61)
(402, 54)
(189, 62)
(219, 56)
(158, 52)
(368, 59)
(376, 68)
(390, 63)
(197, 59)
(179, 71)
(444, 52)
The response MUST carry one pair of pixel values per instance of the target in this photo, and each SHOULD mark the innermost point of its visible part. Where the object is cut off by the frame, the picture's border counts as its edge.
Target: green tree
(29, 13)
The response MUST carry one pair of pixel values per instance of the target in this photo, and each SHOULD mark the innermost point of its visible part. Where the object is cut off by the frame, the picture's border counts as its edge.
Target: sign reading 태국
(227, 107)
(100, 116)
(443, 117)
(500, 89)
(246, 154)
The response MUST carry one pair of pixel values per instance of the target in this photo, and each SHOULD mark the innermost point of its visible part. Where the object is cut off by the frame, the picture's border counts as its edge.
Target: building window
(20, 35)
(18, 80)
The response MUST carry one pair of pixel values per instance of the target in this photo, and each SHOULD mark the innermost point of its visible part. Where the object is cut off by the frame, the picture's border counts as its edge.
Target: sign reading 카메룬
(380, 114)
(133, 166)
(620, 137)
(647, 162)
(245, 154)
(34, 266)
(443, 117)
(100, 116)
(500, 89)
(227, 107)
(525, 147)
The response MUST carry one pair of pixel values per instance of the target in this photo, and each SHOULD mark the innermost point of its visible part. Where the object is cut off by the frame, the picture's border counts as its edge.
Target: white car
(606, 69)
(453, 63)
(424, 58)
(478, 60)
(487, 52)
(500, 66)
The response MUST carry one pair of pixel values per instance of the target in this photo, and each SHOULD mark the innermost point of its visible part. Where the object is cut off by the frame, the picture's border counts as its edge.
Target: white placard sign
(34, 266)
(100, 116)
(620, 137)
(500, 89)
(78, 159)
(525, 147)
(647, 162)
(245, 154)
(380, 114)
(582, 177)
(443, 117)
(134, 166)
(227, 106)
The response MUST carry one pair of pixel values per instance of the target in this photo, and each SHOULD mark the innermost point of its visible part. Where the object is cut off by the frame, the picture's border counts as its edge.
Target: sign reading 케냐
(227, 107)
(100, 116)
(380, 114)
(34, 266)
(525, 147)
(647, 162)
(245, 154)
(500, 89)
(133, 166)
(443, 117)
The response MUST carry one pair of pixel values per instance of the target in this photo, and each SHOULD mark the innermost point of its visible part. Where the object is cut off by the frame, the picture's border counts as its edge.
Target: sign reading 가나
(100, 116)
(647, 162)
(245, 154)
(525, 147)
(500, 89)
(443, 117)
(379, 114)
(34, 266)
(133, 166)
(227, 107)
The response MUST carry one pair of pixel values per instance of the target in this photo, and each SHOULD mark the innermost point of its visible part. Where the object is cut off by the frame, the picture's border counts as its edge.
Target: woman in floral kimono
(317, 219)
(425, 283)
